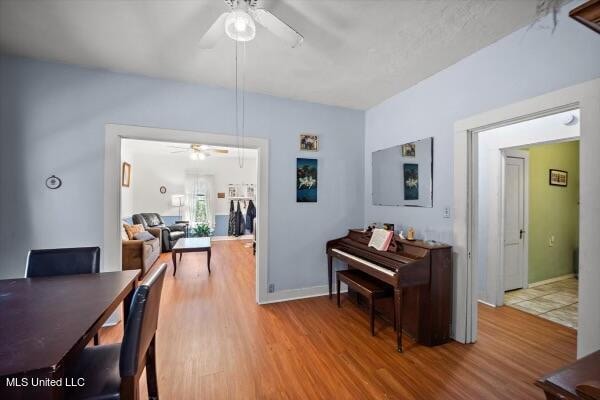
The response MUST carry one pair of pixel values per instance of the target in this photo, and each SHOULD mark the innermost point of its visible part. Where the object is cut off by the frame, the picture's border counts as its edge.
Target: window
(201, 214)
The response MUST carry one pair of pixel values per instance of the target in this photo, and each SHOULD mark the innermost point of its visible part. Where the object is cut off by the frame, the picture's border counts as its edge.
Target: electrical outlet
(446, 212)
(271, 287)
(551, 241)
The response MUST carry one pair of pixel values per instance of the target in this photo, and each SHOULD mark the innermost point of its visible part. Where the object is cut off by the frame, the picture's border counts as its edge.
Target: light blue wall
(221, 225)
(529, 62)
(52, 119)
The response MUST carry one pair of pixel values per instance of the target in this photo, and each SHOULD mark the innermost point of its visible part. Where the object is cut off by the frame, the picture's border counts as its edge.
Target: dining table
(46, 322)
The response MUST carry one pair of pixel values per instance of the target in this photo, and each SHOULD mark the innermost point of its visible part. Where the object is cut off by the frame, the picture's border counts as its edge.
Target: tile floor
(556, 301)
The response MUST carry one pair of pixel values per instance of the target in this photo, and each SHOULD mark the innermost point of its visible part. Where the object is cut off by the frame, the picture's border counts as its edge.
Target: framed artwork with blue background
(411, 181)
(306, 180)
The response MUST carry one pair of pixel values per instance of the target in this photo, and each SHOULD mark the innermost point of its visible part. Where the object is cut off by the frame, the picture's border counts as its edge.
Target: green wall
(553, 211)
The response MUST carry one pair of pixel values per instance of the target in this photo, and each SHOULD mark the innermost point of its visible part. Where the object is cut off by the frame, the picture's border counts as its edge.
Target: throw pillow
(133, 229)
(144, 235)
(124, 235)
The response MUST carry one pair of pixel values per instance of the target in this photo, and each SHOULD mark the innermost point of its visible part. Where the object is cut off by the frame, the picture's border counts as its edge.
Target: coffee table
(191, 245)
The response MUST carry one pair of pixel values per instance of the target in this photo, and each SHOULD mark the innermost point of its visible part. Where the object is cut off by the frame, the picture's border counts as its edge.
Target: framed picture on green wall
(558, 177)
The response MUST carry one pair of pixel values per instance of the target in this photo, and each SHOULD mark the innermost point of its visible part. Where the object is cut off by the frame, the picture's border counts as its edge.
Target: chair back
(52, 262)
(148, 220)
(141, 324)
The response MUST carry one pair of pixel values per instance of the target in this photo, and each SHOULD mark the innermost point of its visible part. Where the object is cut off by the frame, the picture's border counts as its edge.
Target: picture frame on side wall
(557, 177)
(126, 174)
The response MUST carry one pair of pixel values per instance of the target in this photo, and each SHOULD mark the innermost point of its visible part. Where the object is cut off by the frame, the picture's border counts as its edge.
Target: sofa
(140, 254)
(169, 234)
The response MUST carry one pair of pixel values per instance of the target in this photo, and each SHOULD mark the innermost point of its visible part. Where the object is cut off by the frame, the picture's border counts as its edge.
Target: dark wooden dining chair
(113, 371)
(69, 261)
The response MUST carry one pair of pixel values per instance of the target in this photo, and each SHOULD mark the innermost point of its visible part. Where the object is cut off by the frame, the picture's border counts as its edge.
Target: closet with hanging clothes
(242, 212)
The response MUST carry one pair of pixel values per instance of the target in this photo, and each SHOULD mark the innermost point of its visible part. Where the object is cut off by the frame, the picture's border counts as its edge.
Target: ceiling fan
(198, 151)
(239, 25)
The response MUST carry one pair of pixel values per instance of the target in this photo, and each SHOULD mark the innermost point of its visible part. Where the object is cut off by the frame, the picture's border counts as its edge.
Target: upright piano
(420, 274)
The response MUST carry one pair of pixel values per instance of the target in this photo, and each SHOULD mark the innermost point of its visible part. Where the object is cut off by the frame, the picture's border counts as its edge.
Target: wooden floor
(215, 342)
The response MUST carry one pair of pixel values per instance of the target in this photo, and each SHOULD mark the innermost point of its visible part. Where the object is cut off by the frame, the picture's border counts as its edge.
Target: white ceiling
(356, 53)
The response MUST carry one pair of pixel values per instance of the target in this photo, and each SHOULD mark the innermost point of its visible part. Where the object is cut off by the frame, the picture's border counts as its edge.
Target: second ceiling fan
(199, 151)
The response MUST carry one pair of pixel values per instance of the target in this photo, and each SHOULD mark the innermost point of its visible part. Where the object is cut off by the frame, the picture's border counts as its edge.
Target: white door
(514, 222)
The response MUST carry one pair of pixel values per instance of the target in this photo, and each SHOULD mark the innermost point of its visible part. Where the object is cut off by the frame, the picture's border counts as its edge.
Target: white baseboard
(297, 294)
(114, 319)
(220, 238)
(486, 303)
(551, 280)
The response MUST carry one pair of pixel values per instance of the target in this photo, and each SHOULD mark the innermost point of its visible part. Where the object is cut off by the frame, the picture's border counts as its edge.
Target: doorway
(502, 197)
(541, 230)
(113, 181)
(465, 245)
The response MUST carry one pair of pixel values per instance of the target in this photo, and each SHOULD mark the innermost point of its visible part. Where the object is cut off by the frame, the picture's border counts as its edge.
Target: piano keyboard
(365, 262)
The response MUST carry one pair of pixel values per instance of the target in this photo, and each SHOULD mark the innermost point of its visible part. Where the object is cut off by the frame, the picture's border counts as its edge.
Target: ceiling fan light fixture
(239, 26)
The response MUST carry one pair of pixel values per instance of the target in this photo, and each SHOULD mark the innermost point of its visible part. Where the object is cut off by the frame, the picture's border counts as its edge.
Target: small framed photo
(232, 191)
(126, 175)
(558, 177)
(409, 150)
(309, 142)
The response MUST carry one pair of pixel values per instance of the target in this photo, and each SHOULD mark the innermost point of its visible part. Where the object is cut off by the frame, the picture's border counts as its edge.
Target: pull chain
(240, 136)
(241, 151)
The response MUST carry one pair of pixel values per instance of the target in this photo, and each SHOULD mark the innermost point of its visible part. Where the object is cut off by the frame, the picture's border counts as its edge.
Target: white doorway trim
(112, 189)
(586, 97)
(525, 263)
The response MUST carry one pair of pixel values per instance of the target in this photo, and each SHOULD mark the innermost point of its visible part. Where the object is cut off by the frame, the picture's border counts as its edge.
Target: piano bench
(365, 285)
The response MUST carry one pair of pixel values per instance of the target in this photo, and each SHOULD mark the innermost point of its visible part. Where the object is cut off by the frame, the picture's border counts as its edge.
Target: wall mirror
(403, 175)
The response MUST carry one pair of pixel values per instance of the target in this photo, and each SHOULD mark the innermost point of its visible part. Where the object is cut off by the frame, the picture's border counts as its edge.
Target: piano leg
(398, 316)
(330, 270)
(337, 285)
(395, 318)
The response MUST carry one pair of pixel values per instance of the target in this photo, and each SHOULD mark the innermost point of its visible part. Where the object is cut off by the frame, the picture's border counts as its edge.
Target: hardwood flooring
(215, 342)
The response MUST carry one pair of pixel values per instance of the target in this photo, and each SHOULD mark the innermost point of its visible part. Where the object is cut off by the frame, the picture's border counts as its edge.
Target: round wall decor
(53, 182)
(163, 189)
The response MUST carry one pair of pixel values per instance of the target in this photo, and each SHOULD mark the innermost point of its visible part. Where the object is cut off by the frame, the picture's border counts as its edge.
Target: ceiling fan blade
(222, 151)
(277, 27)
(214, 33)
(178, 147)
(179, 151)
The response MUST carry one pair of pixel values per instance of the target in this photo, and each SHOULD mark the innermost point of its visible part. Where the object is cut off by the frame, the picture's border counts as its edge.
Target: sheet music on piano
(380, 239)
